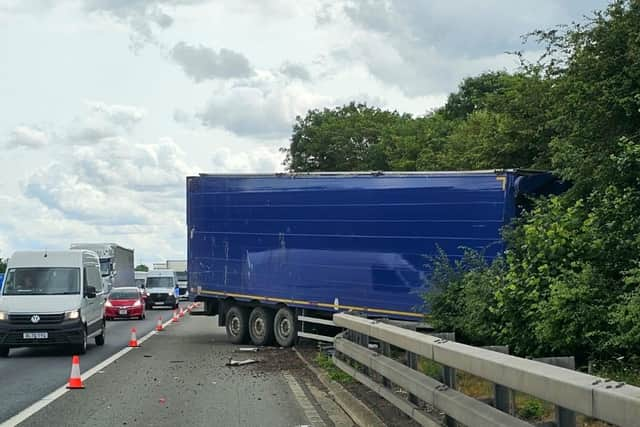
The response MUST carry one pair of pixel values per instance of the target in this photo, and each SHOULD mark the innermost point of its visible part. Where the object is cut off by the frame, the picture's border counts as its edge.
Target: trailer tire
(237, 324)
(261, 326)
(285, 327)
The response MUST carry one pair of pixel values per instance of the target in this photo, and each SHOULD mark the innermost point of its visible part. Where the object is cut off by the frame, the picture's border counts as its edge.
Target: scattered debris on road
(232, 362)
(249, 349)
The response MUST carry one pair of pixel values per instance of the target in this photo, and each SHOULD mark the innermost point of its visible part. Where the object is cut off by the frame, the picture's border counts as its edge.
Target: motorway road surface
(177, 377)
(29, 374)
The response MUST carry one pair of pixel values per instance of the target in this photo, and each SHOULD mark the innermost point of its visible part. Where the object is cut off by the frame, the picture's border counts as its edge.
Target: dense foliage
(569, 281)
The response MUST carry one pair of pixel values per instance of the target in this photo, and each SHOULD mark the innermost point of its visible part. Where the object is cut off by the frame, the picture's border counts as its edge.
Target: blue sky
(108, 104)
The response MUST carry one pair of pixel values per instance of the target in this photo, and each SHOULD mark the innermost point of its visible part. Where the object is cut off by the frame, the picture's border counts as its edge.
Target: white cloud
(252, 160)
(27, 137)
(115, 183)
(203, 63)
(427, 47)
(262, 111)
(103, 122)
(295, 71)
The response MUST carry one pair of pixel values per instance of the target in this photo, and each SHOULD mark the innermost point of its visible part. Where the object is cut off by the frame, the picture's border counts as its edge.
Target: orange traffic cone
(75, 381)
(181, 312)
(159, 326)
(189, 309)
(175, 316)
(133, 342)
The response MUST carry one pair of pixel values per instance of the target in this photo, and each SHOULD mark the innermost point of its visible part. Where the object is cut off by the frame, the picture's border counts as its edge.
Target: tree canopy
(569, 281)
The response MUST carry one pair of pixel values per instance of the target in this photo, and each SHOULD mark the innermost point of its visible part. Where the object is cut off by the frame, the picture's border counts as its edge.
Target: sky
(107, 105)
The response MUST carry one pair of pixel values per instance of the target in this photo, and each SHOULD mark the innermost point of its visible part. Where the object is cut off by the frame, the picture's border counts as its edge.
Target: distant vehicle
(116, 263)
(274, 256)
(180, 267)
(52, 298)
(161, 289)
(125, 303)
(140, 279)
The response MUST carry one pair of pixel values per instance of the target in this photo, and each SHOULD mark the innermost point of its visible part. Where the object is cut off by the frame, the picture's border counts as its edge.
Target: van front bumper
(65, 332)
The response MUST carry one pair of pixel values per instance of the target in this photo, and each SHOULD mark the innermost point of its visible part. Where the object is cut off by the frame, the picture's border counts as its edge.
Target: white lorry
(52, 298)
(116, 263)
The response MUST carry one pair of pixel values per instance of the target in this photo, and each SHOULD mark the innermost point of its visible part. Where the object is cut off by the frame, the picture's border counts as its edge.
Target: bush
(532, 409)
(460, 296)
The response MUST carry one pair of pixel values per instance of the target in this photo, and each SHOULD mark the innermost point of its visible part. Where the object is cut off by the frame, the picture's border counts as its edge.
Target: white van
(162, 289)
(52, 298)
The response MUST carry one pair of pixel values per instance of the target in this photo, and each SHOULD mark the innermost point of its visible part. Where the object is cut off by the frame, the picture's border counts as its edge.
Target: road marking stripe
(309, 410)
(56, 394)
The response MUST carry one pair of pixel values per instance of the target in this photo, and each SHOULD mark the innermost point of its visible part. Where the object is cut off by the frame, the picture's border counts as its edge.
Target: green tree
(142, 267)
(345, 138)
(595, 72)
(3, 265)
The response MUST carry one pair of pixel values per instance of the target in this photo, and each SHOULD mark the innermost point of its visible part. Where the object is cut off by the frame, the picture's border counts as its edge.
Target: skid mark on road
(309, 410)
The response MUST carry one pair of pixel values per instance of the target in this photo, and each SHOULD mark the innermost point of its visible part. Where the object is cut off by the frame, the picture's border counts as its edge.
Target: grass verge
(332, 370)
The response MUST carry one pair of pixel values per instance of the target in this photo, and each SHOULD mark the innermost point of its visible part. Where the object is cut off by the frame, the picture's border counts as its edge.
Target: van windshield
(160, 282)
(42, 281)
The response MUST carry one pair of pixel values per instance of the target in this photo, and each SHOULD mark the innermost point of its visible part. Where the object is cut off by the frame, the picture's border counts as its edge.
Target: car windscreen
(42, 281)
(123, 295)
(160, 282)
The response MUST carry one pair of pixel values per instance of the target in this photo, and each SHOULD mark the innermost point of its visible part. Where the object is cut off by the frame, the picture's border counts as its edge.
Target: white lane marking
(309, 410)
(56, 394)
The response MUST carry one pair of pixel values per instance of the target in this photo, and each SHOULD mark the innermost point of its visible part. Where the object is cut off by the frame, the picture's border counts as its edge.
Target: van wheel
(261, 326)
(100, 338)
(237, 324)
(4, 351)
(285, 327)
(82, 347)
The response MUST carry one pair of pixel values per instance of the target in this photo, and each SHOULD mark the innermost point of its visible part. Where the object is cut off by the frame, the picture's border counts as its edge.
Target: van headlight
(3, 315)
(72, 315)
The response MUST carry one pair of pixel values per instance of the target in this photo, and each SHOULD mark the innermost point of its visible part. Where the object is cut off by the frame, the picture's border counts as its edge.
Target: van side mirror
(90, 292)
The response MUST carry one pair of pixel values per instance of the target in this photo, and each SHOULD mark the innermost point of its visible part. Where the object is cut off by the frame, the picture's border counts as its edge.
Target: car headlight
(72, 315)
(4, 315)
(170, 293)
(137, 303)
(107, 303)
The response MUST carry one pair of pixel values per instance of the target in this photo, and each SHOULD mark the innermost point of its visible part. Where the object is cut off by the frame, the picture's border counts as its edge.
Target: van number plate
(35, 335)
(123, 311)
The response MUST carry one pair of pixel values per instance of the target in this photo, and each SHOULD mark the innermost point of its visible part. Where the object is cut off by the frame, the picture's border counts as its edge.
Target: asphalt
(179, 377)
(30, 374)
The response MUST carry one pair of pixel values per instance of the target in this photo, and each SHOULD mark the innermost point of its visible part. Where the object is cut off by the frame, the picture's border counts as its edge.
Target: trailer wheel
(261, 326)
(237, 324)
(285, 327)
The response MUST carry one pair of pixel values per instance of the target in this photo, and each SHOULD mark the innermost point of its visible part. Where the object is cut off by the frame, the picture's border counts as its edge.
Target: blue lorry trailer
(269, 253)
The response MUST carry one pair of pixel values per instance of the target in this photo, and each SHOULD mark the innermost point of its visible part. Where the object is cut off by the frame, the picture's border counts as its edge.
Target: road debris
(232, 362)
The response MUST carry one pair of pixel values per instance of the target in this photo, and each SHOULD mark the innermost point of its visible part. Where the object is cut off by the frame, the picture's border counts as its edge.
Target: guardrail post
(503, 397)
(564, 417)
(385, 349)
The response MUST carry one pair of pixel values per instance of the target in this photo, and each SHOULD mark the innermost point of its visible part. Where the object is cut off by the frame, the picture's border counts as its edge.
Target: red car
(125, 303)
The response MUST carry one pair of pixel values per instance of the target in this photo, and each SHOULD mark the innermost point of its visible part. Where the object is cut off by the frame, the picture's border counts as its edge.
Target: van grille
(25, 319)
